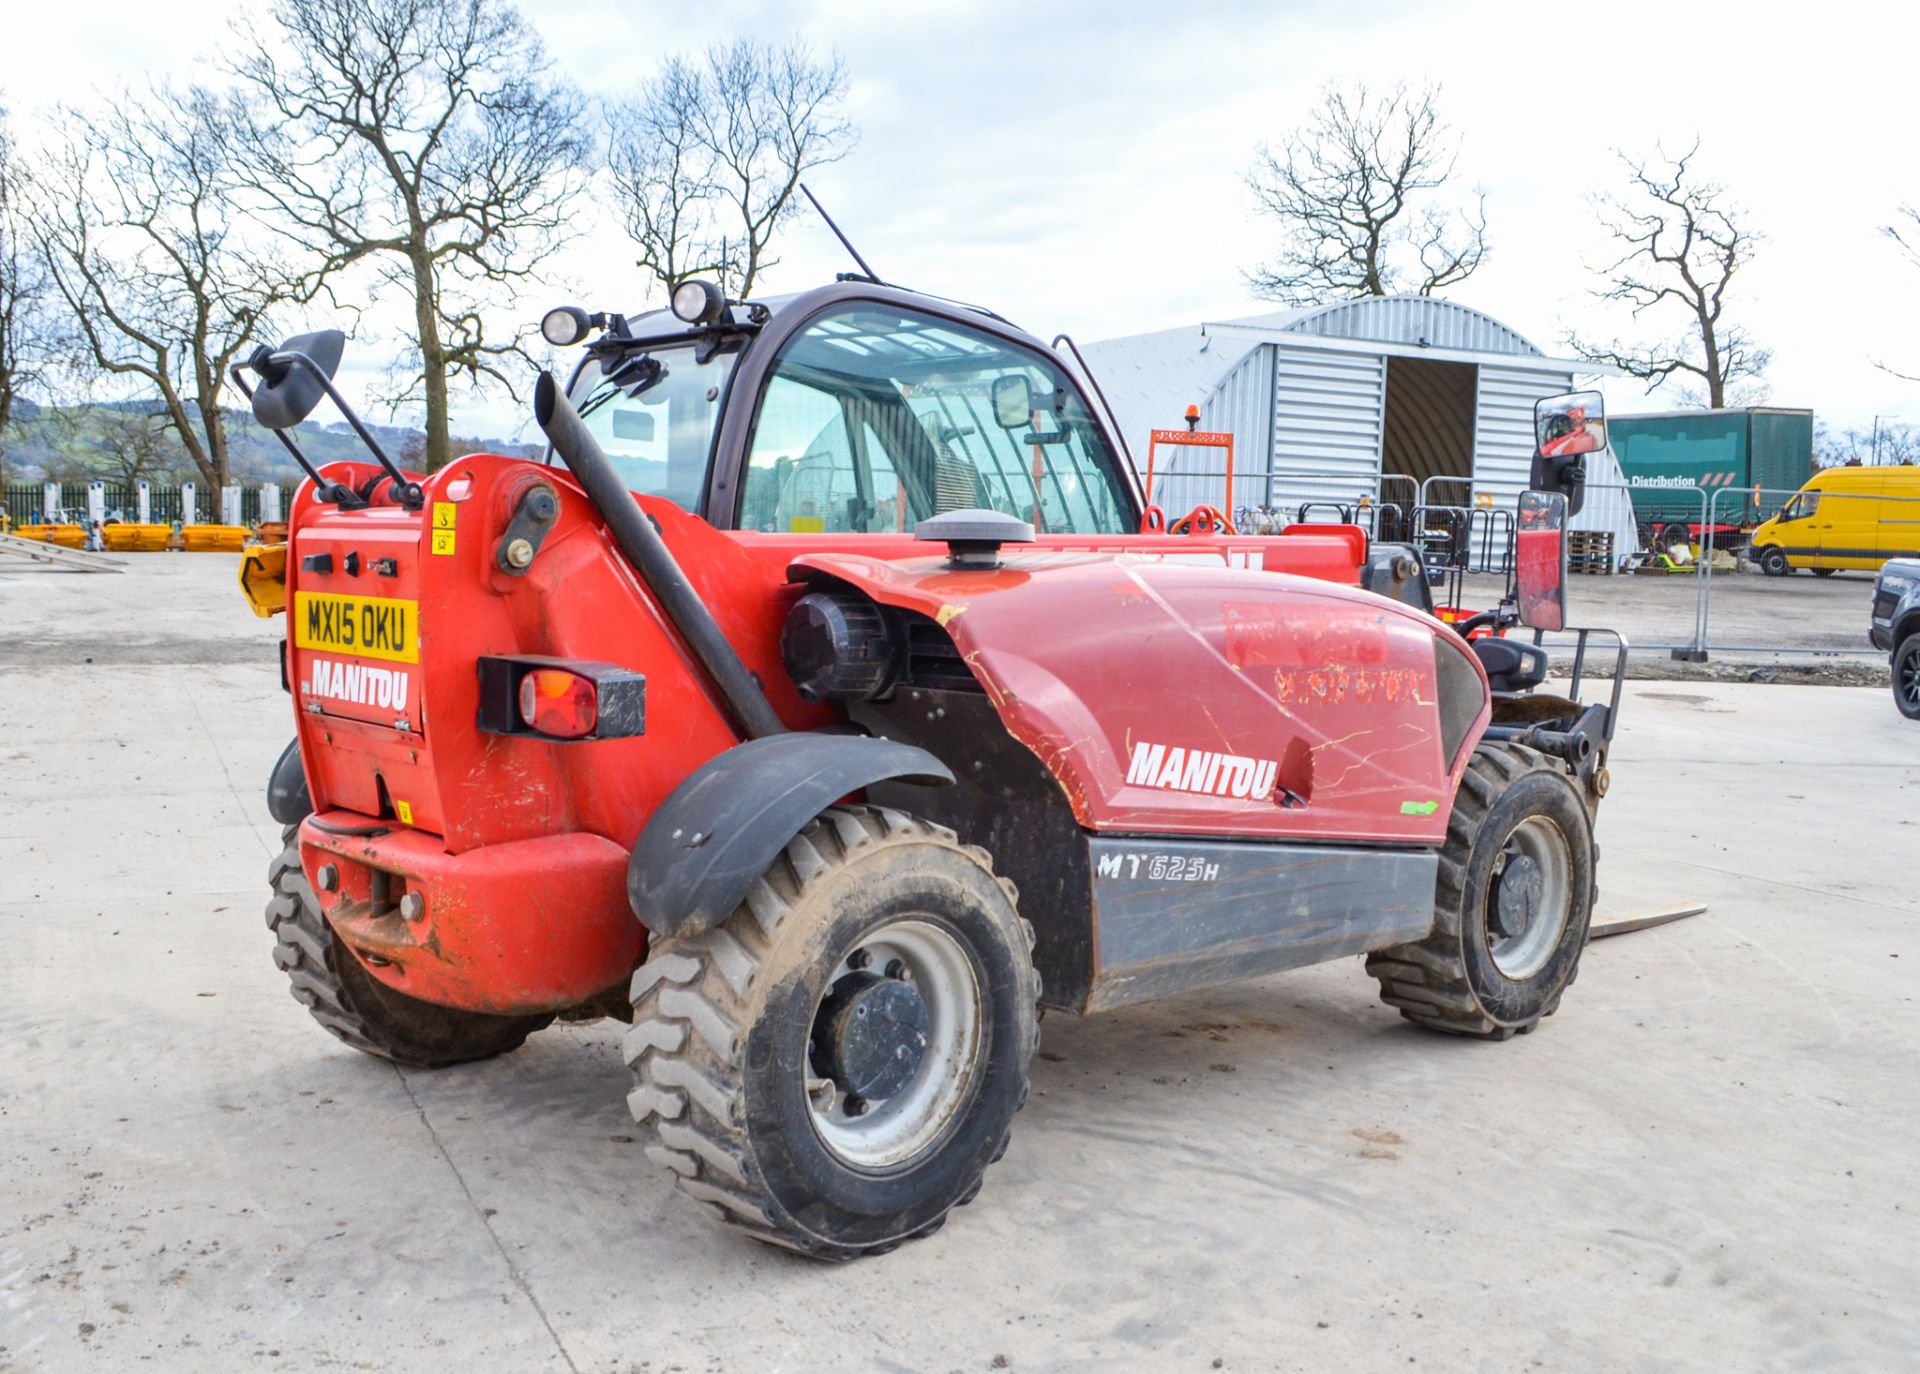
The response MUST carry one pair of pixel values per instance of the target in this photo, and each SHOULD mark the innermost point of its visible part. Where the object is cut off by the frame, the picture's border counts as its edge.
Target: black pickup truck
(1896, 628)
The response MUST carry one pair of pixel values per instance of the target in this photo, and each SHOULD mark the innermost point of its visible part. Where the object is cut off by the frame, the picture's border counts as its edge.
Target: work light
(698, 302)
(565, 325)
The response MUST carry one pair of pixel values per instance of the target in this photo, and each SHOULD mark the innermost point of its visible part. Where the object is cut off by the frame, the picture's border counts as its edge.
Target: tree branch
(1343, 189)
(1681, 247)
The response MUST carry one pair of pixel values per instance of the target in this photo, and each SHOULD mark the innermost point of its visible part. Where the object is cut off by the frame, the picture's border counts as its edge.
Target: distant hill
(72, 443)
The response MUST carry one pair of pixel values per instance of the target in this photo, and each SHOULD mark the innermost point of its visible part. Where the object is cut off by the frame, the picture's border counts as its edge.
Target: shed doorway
(1427, 430)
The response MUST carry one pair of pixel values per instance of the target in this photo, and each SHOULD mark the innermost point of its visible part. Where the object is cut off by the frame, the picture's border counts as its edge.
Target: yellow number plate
(364, 626)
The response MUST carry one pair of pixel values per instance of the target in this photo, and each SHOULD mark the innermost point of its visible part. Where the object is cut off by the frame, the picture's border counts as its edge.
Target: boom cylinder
(653, 561)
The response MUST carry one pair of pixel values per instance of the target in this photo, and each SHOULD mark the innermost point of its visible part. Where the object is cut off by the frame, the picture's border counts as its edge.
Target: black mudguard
(702, 851)
(287, 798)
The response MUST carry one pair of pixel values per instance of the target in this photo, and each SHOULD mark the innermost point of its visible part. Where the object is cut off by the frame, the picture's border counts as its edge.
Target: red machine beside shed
(835, 704)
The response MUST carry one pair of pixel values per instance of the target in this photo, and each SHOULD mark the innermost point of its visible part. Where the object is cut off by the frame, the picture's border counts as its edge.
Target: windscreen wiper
(629, 380)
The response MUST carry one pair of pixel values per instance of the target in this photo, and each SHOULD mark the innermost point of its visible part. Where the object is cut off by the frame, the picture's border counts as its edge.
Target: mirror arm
(340, 495)
(408, 493)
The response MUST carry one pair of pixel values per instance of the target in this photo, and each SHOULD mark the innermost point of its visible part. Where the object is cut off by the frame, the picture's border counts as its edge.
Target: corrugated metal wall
(1327, 409)
(1241, 405)
(1503, 431)
(1414, 320)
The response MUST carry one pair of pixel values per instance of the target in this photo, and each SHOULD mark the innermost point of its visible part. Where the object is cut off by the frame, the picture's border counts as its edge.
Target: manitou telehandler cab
(823, 713)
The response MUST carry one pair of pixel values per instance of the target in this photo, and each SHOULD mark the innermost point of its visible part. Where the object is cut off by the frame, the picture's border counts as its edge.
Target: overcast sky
(1080, 166)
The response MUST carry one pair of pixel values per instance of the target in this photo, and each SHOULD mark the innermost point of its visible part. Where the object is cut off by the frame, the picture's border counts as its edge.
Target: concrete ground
(1705, 1161)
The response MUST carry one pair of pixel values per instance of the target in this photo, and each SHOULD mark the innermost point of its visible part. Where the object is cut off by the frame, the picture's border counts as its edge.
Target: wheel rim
(1529, 898)
(1907, 678)
(915, 979)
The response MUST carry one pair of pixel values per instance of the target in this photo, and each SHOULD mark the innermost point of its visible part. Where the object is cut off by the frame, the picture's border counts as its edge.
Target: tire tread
(690, 1090)
(1427, 979)
(306, 950)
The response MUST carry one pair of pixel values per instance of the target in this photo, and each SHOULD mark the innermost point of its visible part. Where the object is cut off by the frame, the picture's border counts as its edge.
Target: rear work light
(556, 702)
(559, 699)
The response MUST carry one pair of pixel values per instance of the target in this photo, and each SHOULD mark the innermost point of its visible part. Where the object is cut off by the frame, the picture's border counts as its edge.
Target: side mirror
(289, 389)
(1566, 429)
(1540, 560)
(1012, 401)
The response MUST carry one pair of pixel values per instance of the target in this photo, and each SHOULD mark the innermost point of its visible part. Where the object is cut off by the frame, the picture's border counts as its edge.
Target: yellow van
(1843, 518)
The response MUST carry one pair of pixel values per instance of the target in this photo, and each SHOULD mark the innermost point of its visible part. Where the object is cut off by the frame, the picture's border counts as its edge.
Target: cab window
(877, 418)
(1803, 505)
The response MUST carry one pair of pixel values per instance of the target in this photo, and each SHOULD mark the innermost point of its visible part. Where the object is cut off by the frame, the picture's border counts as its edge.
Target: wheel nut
(327, 878)
(859, 959)
(519, 553)
(856, 1105)
(896, 968)
(413, 905)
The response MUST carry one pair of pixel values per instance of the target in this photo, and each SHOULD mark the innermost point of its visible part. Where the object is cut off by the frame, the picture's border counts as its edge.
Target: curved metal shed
(1382, 396)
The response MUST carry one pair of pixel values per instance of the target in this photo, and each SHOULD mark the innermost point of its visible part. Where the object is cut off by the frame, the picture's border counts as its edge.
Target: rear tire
(354, 1006)
(1512, 906)
(1773, 561)
(1906, 676)
(1825, 572)
(743, 1034)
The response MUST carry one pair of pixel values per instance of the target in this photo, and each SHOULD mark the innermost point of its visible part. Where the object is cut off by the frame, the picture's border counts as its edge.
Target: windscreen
(878, 417)
(654, 411)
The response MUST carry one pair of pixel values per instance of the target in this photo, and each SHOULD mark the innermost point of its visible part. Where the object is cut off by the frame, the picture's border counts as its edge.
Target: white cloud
(1079, 166)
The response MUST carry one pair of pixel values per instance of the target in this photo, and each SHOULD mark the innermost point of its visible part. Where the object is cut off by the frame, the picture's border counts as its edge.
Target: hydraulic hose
(659, 572)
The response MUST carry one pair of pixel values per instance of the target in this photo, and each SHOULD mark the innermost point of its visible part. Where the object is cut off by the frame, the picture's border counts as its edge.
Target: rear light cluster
(556, 702)
(560, 699)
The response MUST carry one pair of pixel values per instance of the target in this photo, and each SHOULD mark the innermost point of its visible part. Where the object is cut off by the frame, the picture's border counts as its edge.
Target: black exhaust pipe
(653, 561)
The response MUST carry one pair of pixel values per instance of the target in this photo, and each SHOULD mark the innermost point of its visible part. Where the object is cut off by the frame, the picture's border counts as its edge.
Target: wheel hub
(871, 1035)
(1529, 898)
(1522, 885)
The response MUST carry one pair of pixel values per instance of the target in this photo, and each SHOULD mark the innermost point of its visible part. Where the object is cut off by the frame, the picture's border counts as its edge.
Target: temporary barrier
(1818, 540)
(141, 502)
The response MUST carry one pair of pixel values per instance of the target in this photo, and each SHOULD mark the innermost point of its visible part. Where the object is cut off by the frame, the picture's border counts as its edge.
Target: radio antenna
(845, 242)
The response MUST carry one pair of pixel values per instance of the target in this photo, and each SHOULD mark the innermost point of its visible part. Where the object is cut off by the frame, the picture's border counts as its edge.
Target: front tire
(1906, 676)
(833, 1067)
(358, 1008)
(1512, 906)
(1773, 561)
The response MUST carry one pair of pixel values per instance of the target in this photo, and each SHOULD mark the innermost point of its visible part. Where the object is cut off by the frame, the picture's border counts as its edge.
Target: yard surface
(1704, 1161)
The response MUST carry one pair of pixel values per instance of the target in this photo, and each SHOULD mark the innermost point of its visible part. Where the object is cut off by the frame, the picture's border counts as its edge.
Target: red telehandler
(818, 707)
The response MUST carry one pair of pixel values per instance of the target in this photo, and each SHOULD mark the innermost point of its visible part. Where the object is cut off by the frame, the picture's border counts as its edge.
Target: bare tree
(427, 139)
(1888, 440)
(1682, 245)
(22, 284)
(124, 444)
(1907, 237)
(707, 158)
(1347, 190)
(132, 213)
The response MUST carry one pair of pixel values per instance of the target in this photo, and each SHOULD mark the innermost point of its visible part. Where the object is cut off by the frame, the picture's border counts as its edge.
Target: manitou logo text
(359, 684)
(1198, 770)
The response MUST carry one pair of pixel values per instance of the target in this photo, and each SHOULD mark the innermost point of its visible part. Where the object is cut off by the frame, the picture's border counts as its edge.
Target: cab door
(1793, 530)
(1898, 529)
(1846, 525)
(1807, 540)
